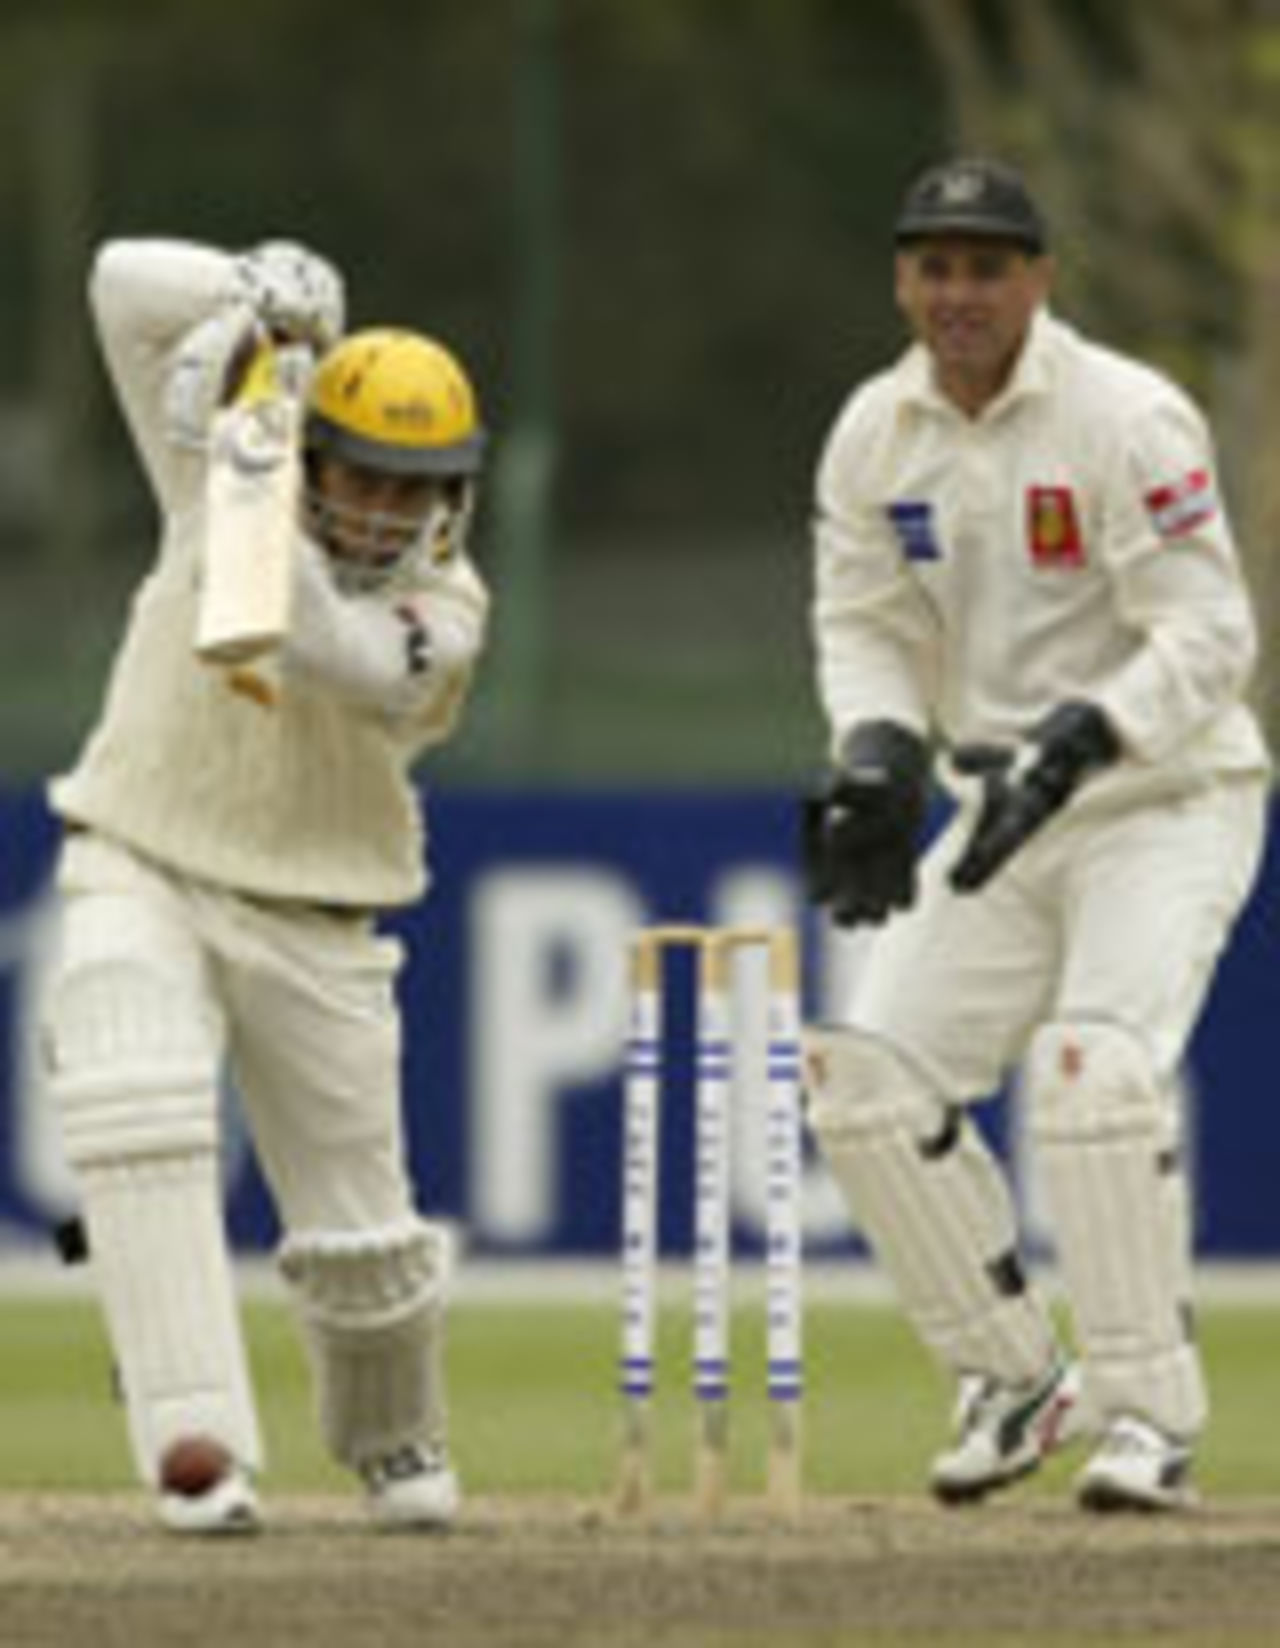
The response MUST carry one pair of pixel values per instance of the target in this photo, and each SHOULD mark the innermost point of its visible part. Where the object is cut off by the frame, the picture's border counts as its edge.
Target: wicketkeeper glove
(862, 833)
(1024, 789)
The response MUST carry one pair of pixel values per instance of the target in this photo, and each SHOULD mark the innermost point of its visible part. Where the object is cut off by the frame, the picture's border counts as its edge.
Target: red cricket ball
(192, 1465)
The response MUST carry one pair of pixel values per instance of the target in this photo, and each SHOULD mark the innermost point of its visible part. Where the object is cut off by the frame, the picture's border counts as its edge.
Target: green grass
(534, 1409)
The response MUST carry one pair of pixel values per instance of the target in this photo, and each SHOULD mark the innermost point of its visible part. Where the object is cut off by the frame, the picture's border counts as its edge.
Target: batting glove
(297, 295)
(208, 361)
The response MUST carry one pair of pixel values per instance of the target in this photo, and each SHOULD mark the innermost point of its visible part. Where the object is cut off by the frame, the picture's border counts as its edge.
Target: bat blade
(250, 527)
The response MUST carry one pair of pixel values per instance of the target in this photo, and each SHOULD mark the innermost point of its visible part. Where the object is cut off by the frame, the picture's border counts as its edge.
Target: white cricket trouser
(301, 1001)
(159, 980)
(1094, 948)
(1120, 918)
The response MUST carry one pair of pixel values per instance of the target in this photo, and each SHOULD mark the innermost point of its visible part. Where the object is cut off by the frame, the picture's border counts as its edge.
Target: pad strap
(930, 1198)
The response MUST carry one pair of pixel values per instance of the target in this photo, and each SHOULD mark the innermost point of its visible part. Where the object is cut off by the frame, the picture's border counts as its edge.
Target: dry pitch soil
(94, 1570)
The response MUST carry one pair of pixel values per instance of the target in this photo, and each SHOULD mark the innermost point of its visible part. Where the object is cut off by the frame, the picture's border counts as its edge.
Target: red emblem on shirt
(1180, 506)
(1053, 527)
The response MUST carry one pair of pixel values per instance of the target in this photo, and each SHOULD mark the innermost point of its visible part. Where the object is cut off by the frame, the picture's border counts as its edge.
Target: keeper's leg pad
(922, 1186)
(1107, 1136)
(372, 1308)
(132, 1074)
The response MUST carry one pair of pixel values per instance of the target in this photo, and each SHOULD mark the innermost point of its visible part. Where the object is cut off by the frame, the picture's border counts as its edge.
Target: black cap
(972, 197)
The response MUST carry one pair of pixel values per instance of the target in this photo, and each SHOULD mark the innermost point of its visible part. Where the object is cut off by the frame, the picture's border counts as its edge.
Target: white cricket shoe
(229, 1506)
(1137, 1468)
(414, 1487)
(1004, 1432)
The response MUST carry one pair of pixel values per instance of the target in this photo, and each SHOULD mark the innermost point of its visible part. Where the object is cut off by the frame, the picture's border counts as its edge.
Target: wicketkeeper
(1027, 590)
(226, 858)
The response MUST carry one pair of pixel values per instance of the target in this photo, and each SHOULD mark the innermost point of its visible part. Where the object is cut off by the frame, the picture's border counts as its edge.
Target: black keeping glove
(862, 832)
(1073, 742)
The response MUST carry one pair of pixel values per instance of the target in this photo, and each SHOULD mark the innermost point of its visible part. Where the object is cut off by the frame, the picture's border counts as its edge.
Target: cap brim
(916, 229)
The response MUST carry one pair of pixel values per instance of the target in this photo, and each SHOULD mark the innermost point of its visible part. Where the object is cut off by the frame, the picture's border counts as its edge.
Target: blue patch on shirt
(913, 523)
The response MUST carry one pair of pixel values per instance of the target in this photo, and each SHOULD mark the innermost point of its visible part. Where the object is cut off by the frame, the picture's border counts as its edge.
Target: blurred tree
(728, 195)
(524, 472)
(1152, 130)
(709, 236)
(723, 178)
(1258, 135)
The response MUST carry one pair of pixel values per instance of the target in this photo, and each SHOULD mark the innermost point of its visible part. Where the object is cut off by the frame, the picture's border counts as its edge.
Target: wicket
(714, 949)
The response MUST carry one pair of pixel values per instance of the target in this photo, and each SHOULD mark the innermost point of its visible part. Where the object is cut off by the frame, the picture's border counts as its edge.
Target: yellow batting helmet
(397, 402)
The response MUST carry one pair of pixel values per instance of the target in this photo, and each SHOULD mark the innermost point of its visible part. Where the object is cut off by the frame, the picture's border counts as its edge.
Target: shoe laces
(1134, 1438)
(980, 1398)
(403, 1464)
(986, 1403)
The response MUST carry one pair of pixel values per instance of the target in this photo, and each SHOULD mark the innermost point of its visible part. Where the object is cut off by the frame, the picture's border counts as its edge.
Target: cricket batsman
(1027, 590)
(230, 842)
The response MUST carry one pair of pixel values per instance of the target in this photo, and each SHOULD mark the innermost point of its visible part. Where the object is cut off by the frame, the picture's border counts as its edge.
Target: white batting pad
(1107, 1134)
(372, 1306)
(160, 1261)
(132, 1042)
(132, 1037)
(925, 1191)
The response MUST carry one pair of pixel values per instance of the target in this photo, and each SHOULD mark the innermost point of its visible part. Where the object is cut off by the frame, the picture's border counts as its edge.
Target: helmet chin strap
(355, 577)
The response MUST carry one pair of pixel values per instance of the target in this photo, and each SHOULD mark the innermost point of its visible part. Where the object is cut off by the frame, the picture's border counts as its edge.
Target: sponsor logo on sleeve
(915, 528)
(1053, 527)
(1179, 507)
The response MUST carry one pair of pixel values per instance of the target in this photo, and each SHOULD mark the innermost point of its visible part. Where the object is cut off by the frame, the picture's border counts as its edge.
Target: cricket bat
(250, 527)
